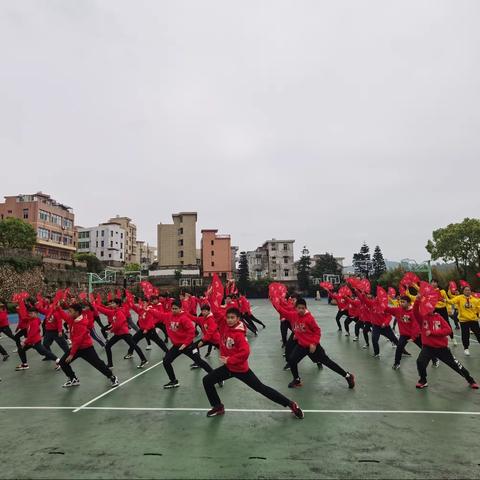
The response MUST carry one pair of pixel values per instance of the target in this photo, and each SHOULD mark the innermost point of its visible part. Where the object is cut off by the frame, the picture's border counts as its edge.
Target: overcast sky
(328, 122)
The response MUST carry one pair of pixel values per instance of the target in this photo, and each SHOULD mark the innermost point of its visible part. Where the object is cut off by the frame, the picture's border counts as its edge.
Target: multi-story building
(106, 242)
(146, 254)
(216, 254)
(274, 259)
(130, 228)
(234, 250)
(53, 222)
(177, 241)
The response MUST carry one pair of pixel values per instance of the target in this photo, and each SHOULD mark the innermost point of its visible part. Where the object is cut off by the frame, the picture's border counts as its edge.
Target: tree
(362, 264)
(15, 233)
(303, 271)
(326, 265)
(94, 265)
(378, 263)
(243, 273)
(178, 274)
(459, 243)
(133, 267)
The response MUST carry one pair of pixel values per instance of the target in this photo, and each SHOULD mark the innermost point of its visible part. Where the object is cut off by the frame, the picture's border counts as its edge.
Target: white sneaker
(467, 352)
(71, 383)
(355, 339)
(347, 334)
(454, 342)
(365, 346)
(148, 347)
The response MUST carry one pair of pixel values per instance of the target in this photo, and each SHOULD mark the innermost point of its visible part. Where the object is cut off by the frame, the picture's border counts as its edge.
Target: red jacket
(435, 324)
(244, 305)
(146, 319)
(209, 328)
(407, 323)
(79, 334)
(342, 302)
(4, 318)
(23, 317)
(180, 328)
(305, 328)
(54, 320)
(33, 331)
(116, 318)
(233, 342)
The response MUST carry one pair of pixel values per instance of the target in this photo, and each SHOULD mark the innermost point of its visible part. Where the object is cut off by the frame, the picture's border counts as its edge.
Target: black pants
(290, 346)
(89, 355)
(340, 314)
(3, 351)
(18, 337)
(191, 351)
(132, 324)
(402, 343)
(163, 328)
(319, 356)
(252, 318)
(248, 378)
(37, 347)
(446, 356)
(347, 323)
(454, 317)
(249, 324)
(284, 327)
(466, 328)
(365, 326)
(444, 313)
(8, 332)
(150, 335)
(127, 338)
(53, 336)
(387, 332)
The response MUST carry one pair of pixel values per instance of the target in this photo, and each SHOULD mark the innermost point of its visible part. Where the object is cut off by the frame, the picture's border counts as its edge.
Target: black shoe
(406, 354)
(194, 366)
(172, 384)
(421, 384)
(350, 378)
(286, 367)
(114, 381)
(297, 383)
(221, 384)
(6, 357)
(320, 366)
(142, 364)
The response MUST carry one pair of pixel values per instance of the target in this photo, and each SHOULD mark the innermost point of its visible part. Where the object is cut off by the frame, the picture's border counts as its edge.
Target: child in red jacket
(33, 340)
(307, 335)
(435, 331)
(234, 353)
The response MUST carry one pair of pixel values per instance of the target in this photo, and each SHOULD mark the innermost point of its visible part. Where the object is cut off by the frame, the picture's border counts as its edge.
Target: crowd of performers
(221, 319)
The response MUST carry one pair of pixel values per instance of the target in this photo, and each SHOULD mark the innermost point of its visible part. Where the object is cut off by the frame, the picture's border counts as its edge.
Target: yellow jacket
(468, 307)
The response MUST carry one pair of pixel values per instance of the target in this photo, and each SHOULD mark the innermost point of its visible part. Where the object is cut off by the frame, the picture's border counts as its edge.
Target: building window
(43, 233)
(83, 245)
(274, 271)
(103, 233)
(97, 233)
(67, 240)
(102, 244)
(111, 233)
(84, 234)
(180, 254)
(121, 245)
(274, 259)
(285, 247)
(121, 236)
(67, 223)
(109, 255)
(44, 216)
(111, 244)
(285, 259)
(212, 243)
(180, 231)
(213, 253)
(56, 219)
(25, 213)
(56, 237)
(121, 255)
(286, 273)
(180, 242)
(213, 264)
(274, 247)
(101, 253)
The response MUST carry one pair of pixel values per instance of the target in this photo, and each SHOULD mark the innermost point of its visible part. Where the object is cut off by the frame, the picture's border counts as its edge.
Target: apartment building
(146, 254)
(52, 220)
(131, 255)
(274, 259)
(176, 242)
(106, 242)
(216, 254)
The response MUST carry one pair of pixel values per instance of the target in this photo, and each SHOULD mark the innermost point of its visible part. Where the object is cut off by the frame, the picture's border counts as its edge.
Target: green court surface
(385, 428)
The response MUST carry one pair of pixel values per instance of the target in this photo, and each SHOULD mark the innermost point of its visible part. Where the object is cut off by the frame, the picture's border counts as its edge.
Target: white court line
(104, 394)
(254, 410)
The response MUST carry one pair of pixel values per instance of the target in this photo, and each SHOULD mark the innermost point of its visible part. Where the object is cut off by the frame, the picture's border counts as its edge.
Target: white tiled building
(106, 242)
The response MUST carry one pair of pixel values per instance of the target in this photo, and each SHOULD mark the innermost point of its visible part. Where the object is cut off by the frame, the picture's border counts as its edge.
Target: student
(117, 319)
(342, 305)
(82, 347)
(435, 331)
(181, 331)
(408, 328)
(146, 324)
(441, 307)
(307, 335)
(246, 310)
(33, 340)
(53, 327)
(234, 353)
(467, 307)
(92, 315)
(23, 319)
(5, 324)
(208, 326)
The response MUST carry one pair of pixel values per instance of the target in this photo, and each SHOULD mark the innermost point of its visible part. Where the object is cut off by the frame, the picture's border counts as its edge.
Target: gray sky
(330, 122)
